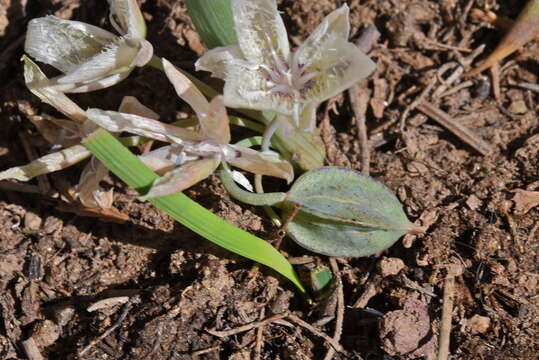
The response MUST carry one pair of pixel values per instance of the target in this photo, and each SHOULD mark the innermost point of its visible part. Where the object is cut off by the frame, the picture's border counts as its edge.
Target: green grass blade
(132, 171)
(213, 21)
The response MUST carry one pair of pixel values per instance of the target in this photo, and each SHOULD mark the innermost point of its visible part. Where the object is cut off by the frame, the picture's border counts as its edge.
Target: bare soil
(484, 224)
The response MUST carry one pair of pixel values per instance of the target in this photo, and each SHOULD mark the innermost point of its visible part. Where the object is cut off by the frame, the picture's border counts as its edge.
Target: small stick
(259, 337)
(6, 185)
(121, 318)
(495, 76)
(447, 311)
(463, 133)
(340, 309)
(204, 351)
(529, 86)
(359, 100)
(416, 102)
(456, 88)
(247, 327)
(316, 332)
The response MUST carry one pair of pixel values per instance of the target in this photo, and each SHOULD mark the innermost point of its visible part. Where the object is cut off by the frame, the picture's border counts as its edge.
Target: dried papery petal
(57, 131)
(117, 58)
(182, 177)
(215, 124)
(130, 19)
(33, 75)
(258, 163)
(90, 193)
(307, 117)
(47, 164)
(98, 84)
(219, 60)
(186, 89)
(64, 44)
(117, 122)
(260, 30)
(131, 105)
(167, 157)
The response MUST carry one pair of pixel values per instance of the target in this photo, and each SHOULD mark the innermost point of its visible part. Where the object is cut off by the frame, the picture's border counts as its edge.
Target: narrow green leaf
(132, 171)
(213, 21)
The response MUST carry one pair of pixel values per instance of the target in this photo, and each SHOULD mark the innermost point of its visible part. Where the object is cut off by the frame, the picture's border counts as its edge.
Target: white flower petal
(337, 24)
(182, 178)
(117, 122)
(242, 180)
(307, 118)
(219, 60)
(258, 163)
(131, 105)
(47, 164)
(186, 89)
(33, 74)
(64, 44)
(260, 30)
(129, 16)
(339, 65)
(248, 89)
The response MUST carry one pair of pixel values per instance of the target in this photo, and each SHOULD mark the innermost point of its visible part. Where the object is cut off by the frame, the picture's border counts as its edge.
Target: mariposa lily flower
(91, 58)
(65, 134)
(262, 73)
(192, 154)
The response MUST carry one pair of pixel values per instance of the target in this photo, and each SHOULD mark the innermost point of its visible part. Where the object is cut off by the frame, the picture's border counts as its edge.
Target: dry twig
(340, 309)
(360, 100)
(447, 311)
(457, 129)
(31, 349)
(316, 332)
(197, 353)
(247, 327)
(121, 318)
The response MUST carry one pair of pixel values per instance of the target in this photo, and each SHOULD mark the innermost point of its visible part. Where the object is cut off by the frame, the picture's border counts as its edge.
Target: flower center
(287, 77)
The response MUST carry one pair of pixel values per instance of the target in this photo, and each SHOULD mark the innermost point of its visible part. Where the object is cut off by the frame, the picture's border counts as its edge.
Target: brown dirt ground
(54, 263)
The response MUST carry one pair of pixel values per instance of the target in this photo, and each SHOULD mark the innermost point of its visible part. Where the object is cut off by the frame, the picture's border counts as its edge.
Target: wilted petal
(118, 57)
(57, 131)
(57, 99)
(242, 180)
(91, 194)
(215, 123)
(167, 157)
(64, 44)
(186, 89)
(131, 105)
(219, 60)
(260, 30)
(258, 163)
(129, 17)
(182, 177)
(47, 164)
(117, 122)
(94, 85)
(339, 65)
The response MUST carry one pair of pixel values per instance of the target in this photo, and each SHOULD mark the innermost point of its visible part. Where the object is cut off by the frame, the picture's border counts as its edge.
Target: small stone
(46, 333)
(390, 266)
(63, 313)
(518, 107)
(473, 202)
(32, 222)
(478, 324)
